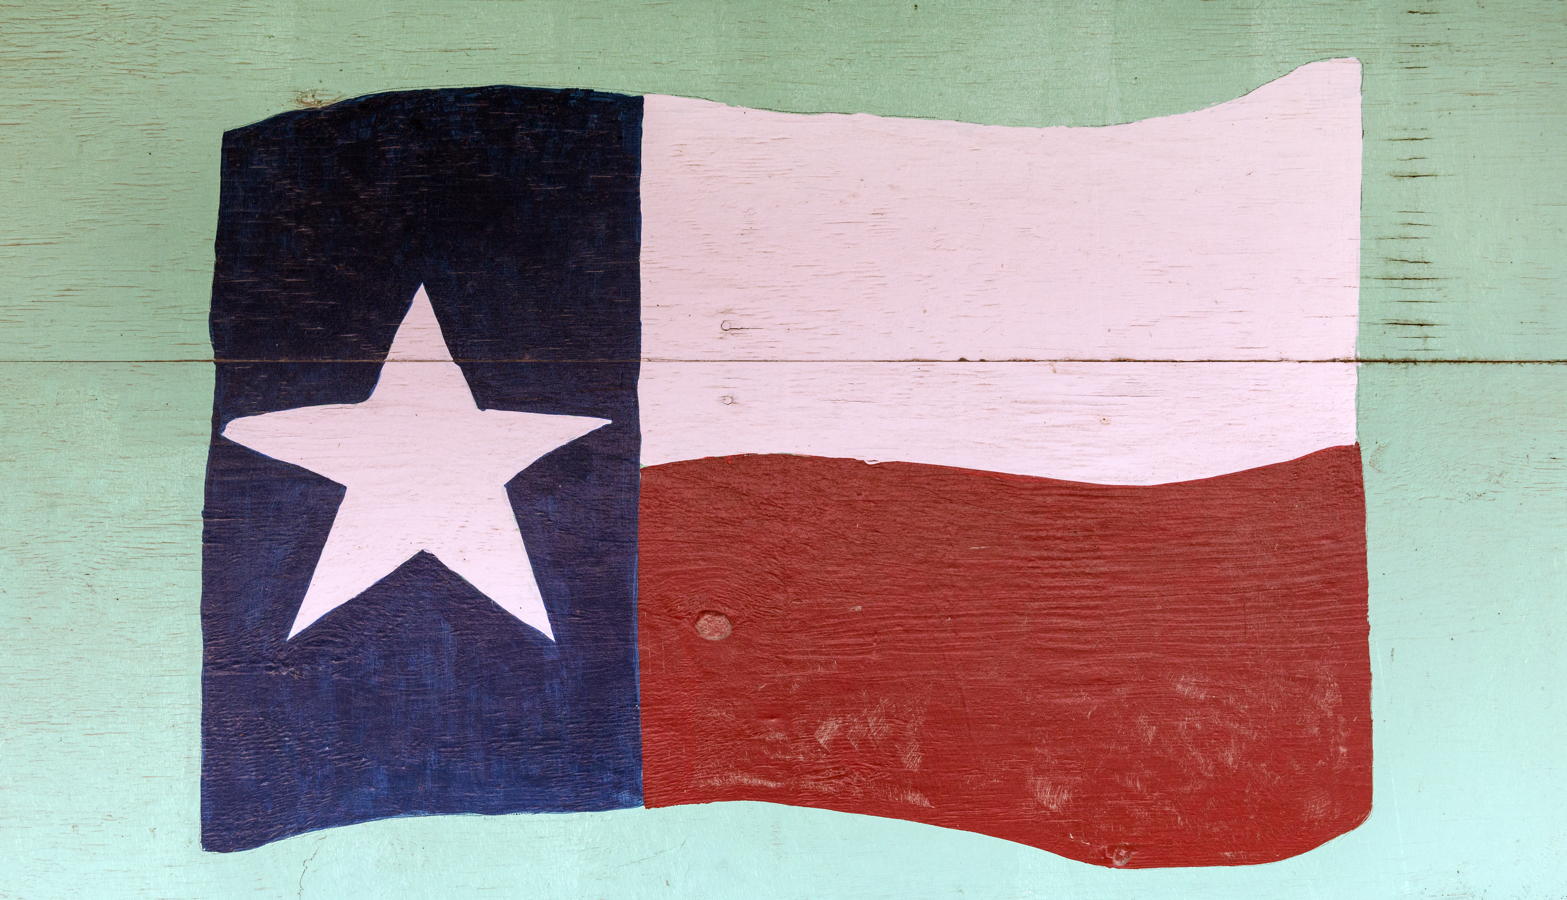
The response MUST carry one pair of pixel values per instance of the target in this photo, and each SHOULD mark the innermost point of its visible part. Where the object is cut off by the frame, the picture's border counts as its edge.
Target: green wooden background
(110, 120)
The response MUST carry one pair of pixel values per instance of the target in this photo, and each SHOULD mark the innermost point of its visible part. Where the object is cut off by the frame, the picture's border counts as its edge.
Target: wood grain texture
(1111, 423)
(112, 122)
(411, 229)
(1231, 232)
(1150, 676)
(519, 207)
(109, 130)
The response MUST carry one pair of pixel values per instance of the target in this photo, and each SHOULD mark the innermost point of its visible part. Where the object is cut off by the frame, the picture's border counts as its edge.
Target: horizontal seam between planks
(1385, 360)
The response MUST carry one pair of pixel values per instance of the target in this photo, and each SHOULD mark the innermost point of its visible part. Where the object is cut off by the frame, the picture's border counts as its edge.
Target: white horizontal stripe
(1110, 423)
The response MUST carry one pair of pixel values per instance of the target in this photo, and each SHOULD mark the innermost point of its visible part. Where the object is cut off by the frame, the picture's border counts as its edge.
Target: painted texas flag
(576, 451)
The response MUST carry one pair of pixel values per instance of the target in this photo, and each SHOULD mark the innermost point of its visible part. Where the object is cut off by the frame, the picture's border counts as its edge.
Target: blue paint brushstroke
(519, 210)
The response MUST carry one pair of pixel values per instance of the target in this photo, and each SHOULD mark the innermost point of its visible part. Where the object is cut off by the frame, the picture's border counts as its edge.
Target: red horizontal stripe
(1170, 675)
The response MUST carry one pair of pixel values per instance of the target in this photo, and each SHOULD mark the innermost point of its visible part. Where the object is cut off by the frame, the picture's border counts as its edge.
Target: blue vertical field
(518, 210)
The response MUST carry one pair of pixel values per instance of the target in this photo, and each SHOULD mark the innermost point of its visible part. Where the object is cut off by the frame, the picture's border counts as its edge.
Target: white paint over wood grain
(1112, 423)
(1228, 233)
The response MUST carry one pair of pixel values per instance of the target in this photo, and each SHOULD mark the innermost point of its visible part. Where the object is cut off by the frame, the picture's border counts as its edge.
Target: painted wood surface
(1225, 233)
(1109, 423)
(419, 569)
(521, 207)
(1127, 676)
(109, 135)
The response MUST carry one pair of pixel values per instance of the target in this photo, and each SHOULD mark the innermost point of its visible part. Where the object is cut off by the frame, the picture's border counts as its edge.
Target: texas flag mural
(575, 451)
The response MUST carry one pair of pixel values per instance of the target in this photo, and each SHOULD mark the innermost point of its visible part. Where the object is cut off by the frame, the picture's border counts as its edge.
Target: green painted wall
(110, 118)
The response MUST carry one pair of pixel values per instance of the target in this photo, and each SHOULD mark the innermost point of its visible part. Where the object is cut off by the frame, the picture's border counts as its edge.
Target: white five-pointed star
(425, 469)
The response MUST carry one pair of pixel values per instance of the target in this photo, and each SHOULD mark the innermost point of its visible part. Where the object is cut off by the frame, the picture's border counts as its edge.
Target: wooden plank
(109, 127)
(1110, 423)
(1227, 233)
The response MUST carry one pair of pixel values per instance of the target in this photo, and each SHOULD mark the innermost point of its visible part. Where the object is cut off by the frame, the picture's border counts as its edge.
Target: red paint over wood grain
(1169, 675)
